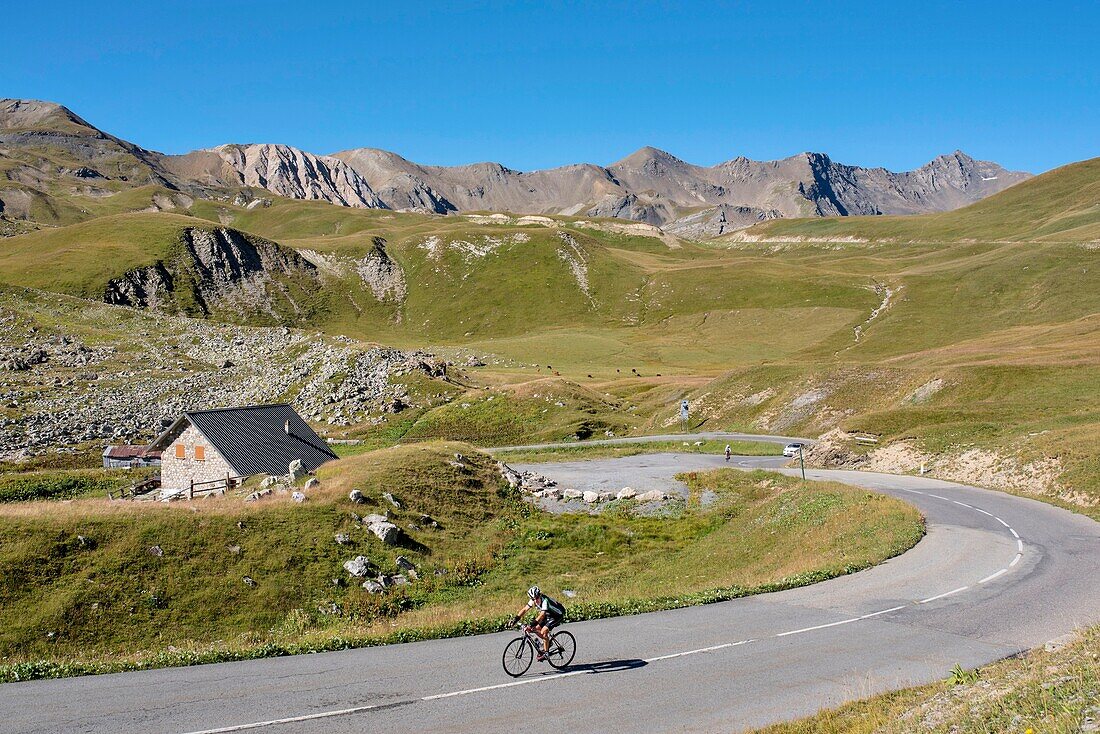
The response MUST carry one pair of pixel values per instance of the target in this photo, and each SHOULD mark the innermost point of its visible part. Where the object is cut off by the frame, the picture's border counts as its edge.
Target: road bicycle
(521, 652)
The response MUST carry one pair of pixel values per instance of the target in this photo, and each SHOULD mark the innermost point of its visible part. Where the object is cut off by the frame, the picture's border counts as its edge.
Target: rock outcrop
(382, 274)
(280, 169)
(216, 271)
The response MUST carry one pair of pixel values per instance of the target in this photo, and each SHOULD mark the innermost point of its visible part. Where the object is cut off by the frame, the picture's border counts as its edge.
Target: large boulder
(653, 495)
(359, 566)
(591, 496)
(387, 532)
(295, 470)
(626, 493)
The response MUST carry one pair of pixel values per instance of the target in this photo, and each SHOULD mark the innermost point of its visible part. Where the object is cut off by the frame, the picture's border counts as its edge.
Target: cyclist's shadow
(606, 666)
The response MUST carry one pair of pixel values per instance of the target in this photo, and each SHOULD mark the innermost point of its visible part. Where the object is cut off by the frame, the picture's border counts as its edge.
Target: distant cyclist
(729, 452)
(550, 615)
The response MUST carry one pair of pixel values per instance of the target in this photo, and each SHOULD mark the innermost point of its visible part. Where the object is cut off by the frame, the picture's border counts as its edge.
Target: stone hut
(213, 449)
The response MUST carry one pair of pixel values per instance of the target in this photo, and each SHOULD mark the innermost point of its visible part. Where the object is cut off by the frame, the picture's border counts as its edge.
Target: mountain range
(53, 161)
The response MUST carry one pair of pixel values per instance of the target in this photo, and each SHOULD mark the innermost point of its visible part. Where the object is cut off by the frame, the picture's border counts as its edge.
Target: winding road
(996, 574)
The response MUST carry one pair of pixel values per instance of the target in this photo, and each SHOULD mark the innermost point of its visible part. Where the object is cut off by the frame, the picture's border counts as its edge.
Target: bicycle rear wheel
(563, 646)
(518, 656)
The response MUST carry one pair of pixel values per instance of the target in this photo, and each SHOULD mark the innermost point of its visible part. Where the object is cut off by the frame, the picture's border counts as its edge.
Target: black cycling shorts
(550, 622)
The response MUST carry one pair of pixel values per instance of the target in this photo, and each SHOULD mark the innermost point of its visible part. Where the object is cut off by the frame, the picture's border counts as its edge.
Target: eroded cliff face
(382, 274)
(220, 272)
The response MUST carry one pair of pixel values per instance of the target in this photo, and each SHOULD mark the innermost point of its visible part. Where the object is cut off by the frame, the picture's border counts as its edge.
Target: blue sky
(534, 85)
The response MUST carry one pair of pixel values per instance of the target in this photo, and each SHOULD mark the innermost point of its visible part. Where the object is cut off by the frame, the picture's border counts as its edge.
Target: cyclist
(728, 452)
(550, 615)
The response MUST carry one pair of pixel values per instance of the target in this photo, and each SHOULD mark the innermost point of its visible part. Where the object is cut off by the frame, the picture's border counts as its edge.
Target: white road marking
(818, 627)
(962, 503)
(289, 720)
(884, 611)
(939, 498)
(702, 649)
(695, 652)
(1014, 533)
(983, 511)
(1016, 560)
(1019, 545)
(1002, 522)
(940, 596)
(992, 576)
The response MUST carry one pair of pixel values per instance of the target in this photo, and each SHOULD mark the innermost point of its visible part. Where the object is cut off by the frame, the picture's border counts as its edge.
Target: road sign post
(802, 463)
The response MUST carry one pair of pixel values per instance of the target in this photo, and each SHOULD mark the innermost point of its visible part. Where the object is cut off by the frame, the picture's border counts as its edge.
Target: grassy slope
(111, 599)
(1010, 328)
(81, 259)
(1048, 691)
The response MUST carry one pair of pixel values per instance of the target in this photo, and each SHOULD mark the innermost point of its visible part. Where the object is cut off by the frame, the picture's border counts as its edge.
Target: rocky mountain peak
(38, 115)
(648, 158)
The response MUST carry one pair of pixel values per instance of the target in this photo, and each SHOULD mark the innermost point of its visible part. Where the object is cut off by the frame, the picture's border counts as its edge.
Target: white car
(792, 449)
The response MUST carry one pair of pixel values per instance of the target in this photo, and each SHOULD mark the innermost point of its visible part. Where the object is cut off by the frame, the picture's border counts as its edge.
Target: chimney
(286, 427)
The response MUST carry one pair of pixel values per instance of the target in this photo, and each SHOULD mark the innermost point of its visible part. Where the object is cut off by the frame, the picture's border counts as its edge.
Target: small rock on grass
(572, 494)
(626, 493)
(390, 498)
(156, 550)
(312, 483)
(653, 495)
(591, 497)
(342, 538)
(356, 496)
(372, 586)
(250, 581)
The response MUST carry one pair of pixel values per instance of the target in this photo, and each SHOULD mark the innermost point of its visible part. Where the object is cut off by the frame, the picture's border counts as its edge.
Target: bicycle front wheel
(562, 649)
(518, 657)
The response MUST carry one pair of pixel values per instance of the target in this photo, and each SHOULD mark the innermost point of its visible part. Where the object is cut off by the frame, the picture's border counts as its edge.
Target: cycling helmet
(533, 592)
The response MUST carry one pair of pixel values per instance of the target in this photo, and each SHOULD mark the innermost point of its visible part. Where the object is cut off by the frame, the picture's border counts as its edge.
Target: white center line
(289, 720)
(1016, 560)
(940, 596)
(884, 611)
(818, 627)
(992, 576)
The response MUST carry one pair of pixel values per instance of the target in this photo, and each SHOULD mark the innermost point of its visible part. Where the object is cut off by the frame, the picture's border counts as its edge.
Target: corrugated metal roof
(130, 452)
(255, 440)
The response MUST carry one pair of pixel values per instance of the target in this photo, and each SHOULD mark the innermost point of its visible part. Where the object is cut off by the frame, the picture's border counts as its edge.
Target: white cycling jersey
(547, 605)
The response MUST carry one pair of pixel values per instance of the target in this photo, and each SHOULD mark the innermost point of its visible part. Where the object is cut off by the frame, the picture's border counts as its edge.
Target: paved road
(664, 438)
(970, 592)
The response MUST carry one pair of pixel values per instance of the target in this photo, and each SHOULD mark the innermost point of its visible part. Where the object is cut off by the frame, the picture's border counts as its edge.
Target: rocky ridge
(649, 186)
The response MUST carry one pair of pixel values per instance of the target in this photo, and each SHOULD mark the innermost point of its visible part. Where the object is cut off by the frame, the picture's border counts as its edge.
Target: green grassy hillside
(974, 330)
(116, 583)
